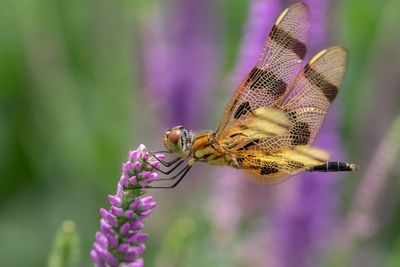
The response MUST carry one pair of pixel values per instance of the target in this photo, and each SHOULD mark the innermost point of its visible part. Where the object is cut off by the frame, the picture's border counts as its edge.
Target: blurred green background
(73, 102)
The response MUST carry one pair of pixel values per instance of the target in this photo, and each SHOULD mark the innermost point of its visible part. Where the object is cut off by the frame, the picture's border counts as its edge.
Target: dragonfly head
(177, 139)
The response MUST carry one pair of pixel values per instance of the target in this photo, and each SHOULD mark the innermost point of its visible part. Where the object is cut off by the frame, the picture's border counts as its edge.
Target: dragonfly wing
(313, 91)
(278, 64)
(308, 100)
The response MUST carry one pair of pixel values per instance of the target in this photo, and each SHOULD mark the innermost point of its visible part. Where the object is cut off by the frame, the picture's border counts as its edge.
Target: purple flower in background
(318, 25)
(262, 16)
(362, 220)
(120, 241)
(181, 62)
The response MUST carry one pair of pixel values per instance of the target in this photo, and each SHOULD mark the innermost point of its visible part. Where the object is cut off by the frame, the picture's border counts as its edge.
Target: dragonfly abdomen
(334, 166)
(209, 155)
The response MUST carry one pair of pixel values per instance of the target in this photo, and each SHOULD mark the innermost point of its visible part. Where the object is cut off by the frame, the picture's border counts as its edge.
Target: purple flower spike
(112, 241)
(155, 164)
(160, 156)
(111, 260)
(137, 166)
(101, 240)
(127, 166)
(129, 214)
(152, 176)
(133, 180)
(115, 201)
(95, 257)
(147, 203)
(123, 180)
(105, 227)
(135, 204)
(117, 211)
(143, 183)
(123, 248)
(134, 155)
(137, 263)
(145, 174)
(145, 213)
(104, 213)
(137, 225)
(145, 156)
(124, 228)
(100, 251)
(141, 237)
(120, 240)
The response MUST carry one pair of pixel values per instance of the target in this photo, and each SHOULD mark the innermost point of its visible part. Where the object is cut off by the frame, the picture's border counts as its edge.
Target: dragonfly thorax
(177, 139)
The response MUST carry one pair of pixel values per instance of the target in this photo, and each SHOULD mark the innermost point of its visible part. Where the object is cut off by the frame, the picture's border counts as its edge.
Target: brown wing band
(287, 41)
(242, 110)
(314, 77)
(268, 80)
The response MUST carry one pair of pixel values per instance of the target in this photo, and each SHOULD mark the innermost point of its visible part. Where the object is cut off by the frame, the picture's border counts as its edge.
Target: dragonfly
(270, 122)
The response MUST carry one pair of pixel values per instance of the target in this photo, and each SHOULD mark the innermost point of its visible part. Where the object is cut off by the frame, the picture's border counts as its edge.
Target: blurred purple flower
(362, 221)
(181, 62)
(120, 241)
(262, 16)
(318, 10)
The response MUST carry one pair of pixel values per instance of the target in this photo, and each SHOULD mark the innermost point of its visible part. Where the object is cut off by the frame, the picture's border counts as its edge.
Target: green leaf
(66, 248)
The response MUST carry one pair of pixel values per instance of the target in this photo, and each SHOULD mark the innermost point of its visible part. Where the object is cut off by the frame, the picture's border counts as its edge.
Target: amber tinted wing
(277, 65)
(308, 100)
(313, 92)
(272, 168)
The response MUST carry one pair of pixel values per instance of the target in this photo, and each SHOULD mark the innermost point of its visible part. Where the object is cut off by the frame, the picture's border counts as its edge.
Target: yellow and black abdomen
(334, 166)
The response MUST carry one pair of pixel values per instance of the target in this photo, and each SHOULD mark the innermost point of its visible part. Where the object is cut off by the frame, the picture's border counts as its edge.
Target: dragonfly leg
(160, 151)
(171, 169)
(182, 173)
(163, 162)
(174, 176)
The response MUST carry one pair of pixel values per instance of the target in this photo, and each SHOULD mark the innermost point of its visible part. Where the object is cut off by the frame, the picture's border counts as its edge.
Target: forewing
(279, 62)
(272, 168)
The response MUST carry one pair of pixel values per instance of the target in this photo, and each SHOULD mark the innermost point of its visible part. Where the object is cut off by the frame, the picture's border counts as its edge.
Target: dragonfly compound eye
(174, 137)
